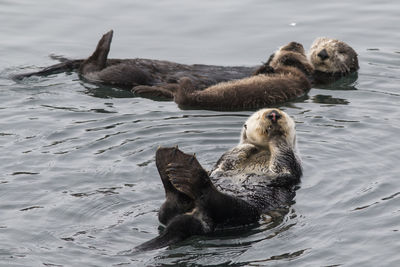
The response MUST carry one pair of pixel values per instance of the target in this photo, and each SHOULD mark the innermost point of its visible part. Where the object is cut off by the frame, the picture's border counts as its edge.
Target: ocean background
(78, 181)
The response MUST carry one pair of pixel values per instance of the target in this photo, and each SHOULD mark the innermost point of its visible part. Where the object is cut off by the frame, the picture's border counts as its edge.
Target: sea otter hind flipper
(190, 181)
(176, 202)
(183, 175)
(181, 172)
(98, 60)
(180, 228)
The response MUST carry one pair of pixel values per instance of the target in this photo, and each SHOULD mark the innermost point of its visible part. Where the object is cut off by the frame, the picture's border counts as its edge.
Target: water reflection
(225, 246)
(347, 83)
(284, 256)
(328, 99)
(81, 208)
(102, 91)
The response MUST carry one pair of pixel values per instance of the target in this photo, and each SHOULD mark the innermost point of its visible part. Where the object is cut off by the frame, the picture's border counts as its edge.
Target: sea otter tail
(203, 207)
(98, 60)
(65, 65)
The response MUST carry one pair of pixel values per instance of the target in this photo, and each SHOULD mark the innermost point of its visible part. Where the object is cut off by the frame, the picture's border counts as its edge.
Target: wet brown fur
(159, 78)
(282, 79)
(148, 77)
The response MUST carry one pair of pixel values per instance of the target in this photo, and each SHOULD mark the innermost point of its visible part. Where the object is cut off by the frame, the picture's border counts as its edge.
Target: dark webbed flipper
(190, 182)
(182, 174)
(175, 202)
(98, 60)
(180, 228)
(197, 206)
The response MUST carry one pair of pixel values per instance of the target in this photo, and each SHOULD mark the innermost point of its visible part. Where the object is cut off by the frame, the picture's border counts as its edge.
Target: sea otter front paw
(152, 91)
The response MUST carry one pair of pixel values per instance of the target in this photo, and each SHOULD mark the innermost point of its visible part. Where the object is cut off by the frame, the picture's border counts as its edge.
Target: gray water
(78, 181)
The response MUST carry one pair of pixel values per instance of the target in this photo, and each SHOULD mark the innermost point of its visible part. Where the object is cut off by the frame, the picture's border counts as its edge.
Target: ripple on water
(79, 185)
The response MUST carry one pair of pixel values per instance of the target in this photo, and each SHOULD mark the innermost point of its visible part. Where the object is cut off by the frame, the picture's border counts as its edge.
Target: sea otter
(257, 176)
(332, 59)
(283, 78)
(149, 77)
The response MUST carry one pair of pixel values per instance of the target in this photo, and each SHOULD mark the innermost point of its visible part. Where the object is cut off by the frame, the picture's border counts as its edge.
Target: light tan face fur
(259, 130)
(341, 58)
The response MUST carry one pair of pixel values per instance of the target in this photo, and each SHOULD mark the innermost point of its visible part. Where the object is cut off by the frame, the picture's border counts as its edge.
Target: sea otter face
(267, 124)
(333, 56)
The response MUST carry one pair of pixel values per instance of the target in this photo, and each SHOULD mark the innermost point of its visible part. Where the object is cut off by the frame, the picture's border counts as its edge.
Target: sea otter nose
(323, 54)
(274, 116)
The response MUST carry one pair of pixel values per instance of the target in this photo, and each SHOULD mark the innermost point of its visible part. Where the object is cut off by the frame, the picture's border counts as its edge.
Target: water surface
(78, 182)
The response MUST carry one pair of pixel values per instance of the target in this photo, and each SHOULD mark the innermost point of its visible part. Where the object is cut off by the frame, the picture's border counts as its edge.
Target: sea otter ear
(245, 126)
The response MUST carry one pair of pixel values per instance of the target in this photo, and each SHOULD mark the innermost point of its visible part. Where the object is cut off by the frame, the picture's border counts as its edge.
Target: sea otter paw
(152, 91)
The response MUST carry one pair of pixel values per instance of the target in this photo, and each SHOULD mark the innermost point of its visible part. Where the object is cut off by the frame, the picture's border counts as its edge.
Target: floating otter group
(259, 174)
(281, 79)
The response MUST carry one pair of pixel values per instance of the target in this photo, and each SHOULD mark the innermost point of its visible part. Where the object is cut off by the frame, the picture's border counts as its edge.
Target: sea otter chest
(242, 165)
(246, 172)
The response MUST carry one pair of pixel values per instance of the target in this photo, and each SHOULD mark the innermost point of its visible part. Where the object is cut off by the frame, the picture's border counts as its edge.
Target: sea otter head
(291, 55)
(333, 56)
(268, 125)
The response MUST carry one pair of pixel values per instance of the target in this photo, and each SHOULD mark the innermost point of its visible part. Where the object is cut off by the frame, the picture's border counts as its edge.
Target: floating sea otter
(156, 77)
(257, 176)
(332, 59)
(283, 78)
(160, 78)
